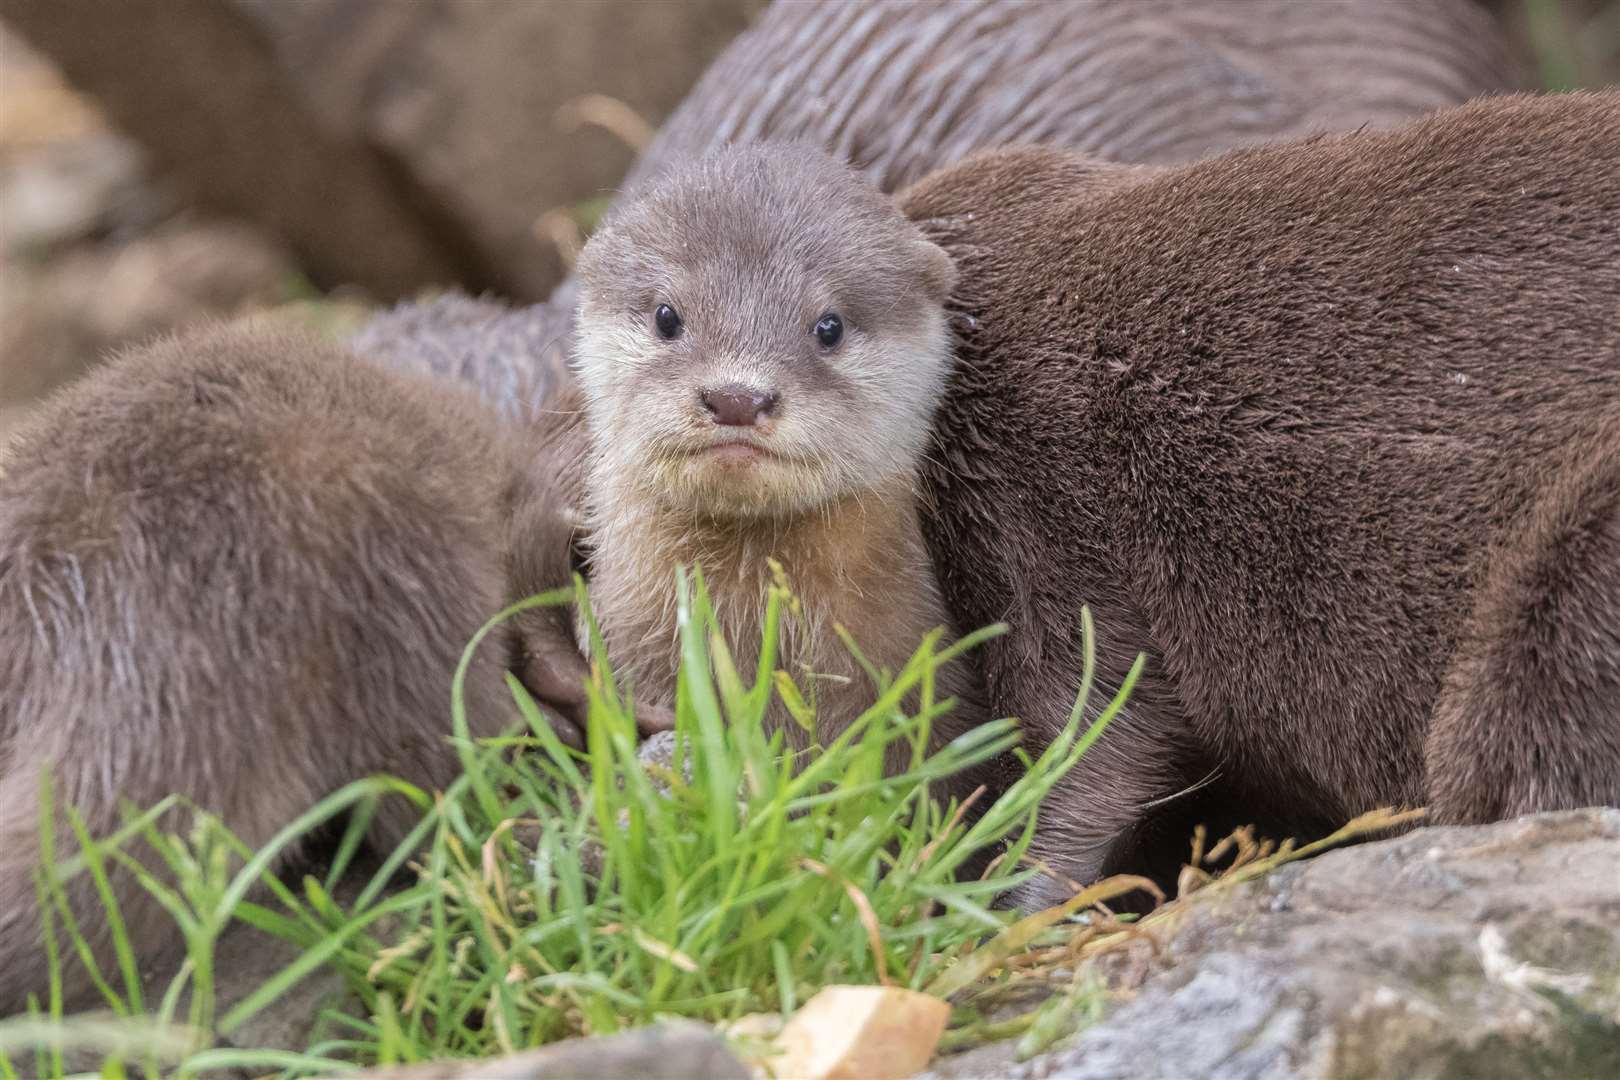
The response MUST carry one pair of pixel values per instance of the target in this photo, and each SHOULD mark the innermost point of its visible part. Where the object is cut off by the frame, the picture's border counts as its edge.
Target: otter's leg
(1529, 717)
(1091, 822)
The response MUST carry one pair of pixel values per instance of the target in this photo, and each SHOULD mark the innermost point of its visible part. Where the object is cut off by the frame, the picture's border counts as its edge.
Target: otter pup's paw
(554, 673)
(653, 719)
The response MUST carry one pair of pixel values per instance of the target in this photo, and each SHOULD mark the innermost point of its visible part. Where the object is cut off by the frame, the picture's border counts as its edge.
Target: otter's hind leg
(1529, 717)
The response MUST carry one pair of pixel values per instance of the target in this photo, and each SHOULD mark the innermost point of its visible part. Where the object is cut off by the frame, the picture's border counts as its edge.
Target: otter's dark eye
(830, 330)
(667, 321)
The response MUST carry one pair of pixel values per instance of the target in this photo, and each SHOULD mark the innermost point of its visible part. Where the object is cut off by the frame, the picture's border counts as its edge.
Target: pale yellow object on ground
(860, 1033)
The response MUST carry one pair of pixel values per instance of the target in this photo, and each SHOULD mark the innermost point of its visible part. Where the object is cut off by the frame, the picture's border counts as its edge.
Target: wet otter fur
(1328, 431)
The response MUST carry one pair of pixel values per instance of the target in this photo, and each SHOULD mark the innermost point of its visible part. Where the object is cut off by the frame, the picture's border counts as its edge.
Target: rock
(672, 1051)
(469, 100)
(197, 84)
(1487, 952)
(395, 146)
(64, 175)
(92, 254)
(70, 190)
(859, 1033)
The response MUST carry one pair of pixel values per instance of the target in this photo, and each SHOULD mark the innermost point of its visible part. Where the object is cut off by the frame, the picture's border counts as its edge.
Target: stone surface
(1485, 953)
(93, 255)
(471, 101)
(674, 1051)
(394, 146)
(1480, 953)
(64, 176)
(196, 83)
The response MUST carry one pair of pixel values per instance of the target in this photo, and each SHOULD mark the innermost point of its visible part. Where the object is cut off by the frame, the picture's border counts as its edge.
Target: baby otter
(762, 343)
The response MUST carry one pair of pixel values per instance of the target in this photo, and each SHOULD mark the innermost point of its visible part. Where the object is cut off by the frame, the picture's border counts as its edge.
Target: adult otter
(241, 567)
(1329, 431)
(762, 345)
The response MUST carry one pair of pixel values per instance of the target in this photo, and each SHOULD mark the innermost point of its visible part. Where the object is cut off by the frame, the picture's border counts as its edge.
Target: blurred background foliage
(1573, 43)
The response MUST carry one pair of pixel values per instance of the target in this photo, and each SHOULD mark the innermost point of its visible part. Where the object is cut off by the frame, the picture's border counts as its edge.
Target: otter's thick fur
(780, 413)
(1328, 430)
(240, 567)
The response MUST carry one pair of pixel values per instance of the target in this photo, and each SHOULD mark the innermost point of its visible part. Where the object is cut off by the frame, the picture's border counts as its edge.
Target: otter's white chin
(735, 480)
(733, 456)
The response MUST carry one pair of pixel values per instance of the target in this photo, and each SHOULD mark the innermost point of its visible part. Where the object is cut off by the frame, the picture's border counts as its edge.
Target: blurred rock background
(308, 160)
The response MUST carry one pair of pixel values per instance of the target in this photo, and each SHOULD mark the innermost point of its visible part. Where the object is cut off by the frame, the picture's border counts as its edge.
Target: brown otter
(242, 567)
(1327, 430)
(762, 344)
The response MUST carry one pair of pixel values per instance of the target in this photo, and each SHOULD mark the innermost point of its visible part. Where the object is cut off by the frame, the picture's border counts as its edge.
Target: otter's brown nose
(738, 406)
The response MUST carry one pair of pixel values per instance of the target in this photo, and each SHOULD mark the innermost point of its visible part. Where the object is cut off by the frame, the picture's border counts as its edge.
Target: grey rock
(673, 1051)
(60, 318)
(68, 190)
(196, 83)
(464, 100)
(63, 175)
(395, 146)
(1487, 952)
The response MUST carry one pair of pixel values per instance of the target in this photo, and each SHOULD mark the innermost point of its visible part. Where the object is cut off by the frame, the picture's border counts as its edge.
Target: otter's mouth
(735, 452)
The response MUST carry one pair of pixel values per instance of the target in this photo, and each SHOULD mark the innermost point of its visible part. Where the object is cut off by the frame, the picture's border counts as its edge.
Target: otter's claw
(555, 674)
(651, 719)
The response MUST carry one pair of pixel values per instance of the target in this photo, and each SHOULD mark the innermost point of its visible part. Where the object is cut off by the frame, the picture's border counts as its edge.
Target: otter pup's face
(760, 334)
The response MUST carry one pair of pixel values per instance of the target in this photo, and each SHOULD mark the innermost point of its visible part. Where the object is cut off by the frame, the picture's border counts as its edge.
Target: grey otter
(1328, 430)
(762, 344)
(241, 567)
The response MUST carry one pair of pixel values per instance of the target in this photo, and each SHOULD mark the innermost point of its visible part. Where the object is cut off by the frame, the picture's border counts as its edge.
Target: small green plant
(554, 893)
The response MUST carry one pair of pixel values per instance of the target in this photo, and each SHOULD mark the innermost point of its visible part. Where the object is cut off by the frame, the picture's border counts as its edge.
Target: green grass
(552, 893)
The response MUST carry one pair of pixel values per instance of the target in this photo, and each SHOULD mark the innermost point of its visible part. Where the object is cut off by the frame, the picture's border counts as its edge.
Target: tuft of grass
(555, 893)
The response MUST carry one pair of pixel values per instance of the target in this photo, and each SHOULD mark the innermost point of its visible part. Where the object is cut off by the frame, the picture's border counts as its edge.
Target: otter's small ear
(938, 272)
